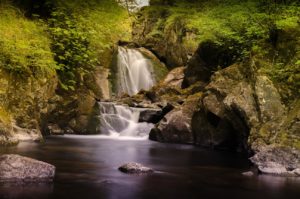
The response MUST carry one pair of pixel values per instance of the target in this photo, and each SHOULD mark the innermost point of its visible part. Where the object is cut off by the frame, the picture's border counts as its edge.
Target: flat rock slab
(278, 161)
(135, 168)
(16, 168)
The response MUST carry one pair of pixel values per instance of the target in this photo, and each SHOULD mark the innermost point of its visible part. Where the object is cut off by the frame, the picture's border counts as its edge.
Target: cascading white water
(134, 72)
(122, 121)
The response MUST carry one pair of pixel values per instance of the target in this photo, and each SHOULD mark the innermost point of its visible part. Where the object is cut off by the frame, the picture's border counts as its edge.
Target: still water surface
(87, 168)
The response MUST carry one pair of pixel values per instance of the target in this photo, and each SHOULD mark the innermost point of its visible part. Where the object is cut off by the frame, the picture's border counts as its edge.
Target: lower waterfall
(121, 121)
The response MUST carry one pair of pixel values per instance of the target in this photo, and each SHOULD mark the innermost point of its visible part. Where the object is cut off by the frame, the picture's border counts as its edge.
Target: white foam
(108, 137)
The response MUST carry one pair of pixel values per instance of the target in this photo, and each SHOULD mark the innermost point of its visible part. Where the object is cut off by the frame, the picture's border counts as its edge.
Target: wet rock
(54, 129)
(151, 115)
(176, 125)
(15, 168)
(152, 96)
(135, 168)
(280, 161)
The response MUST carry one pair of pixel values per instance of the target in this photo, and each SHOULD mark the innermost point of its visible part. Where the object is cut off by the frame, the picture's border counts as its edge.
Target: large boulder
(15, 168)
(234, 109)
(176, 125)
(227, 111)
(242, 110)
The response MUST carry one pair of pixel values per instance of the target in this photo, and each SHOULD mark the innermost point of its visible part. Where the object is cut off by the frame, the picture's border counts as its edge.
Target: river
(87, 168)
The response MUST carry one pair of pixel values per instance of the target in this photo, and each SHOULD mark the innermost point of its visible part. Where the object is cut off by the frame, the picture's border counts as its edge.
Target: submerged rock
(280, 161)
(15, 168)
(248, 174)
(135, 168)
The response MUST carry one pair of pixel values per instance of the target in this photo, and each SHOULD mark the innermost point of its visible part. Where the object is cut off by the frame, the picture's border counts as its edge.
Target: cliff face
(27, 75)
(167, 42)
(24, 103)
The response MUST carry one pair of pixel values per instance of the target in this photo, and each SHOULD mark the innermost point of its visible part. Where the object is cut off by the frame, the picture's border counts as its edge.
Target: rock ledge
(280, 161)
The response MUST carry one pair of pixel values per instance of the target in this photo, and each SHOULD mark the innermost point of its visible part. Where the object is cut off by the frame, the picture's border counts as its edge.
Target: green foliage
(107, 23)
(71, 47)
(24, 45)
(5, 117)
(265, 29)
(83, 33)
(80, 36)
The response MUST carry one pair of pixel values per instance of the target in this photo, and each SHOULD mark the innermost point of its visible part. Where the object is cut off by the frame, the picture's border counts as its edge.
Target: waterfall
(133, 6)
(134, 72)
(121, 121)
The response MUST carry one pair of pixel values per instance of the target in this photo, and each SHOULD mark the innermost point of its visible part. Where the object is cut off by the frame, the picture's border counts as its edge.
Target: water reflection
(12, 190)
(87, 168)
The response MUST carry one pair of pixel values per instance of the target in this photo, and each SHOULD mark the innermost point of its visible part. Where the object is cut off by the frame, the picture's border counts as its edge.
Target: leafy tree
(71, 47)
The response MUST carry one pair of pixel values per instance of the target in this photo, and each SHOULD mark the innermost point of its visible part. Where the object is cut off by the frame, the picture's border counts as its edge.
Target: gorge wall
(234, 83)
(239, 89)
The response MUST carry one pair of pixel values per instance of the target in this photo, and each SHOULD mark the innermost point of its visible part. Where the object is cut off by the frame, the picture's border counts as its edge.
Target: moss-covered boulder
(244, 104)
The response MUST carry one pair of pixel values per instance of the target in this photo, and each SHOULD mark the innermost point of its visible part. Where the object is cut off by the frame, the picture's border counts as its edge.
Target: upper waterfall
(135, 5)
(134, 72)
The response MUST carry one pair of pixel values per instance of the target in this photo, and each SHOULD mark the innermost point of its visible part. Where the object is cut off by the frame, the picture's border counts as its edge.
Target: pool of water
(87, 168)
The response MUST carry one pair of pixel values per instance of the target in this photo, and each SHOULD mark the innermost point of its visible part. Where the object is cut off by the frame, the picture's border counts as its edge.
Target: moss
(105, 22)
(289, 135)
(5, 117)
(24, 44)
